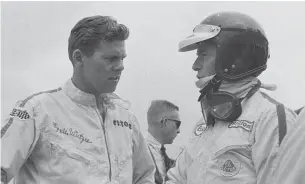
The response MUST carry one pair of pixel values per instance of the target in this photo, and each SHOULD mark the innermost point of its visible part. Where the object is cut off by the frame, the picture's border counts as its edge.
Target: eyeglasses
(177, 122)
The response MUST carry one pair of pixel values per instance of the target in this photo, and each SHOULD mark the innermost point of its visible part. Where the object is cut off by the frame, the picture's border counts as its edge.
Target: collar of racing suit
(81, 97)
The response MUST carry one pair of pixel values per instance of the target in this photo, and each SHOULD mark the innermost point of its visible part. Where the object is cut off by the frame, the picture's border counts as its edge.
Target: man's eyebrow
(115, 54)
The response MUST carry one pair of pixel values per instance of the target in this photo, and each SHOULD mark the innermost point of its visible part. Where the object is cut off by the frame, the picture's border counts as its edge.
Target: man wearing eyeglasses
(163, 126)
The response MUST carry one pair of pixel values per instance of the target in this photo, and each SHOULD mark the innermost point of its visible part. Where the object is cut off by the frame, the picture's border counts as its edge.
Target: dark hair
(89, 31)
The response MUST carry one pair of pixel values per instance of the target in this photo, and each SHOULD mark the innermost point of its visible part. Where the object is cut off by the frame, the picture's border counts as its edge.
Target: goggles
(225, 106)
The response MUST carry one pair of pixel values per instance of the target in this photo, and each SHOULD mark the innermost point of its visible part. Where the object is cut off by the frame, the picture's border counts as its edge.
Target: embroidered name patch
(200, 129)
(21, 114)
(229, 167)
(246, 125)
(71, 132)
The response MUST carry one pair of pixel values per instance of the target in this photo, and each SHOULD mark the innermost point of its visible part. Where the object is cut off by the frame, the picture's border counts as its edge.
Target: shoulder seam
(270, 99)
(36, 94)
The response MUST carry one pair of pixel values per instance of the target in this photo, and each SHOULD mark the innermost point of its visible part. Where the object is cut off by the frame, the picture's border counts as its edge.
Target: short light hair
(157, 107)
(87, 34)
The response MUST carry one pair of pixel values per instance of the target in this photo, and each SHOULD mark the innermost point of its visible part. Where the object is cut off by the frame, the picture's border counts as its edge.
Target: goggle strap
(214, 84)
(210, 120)
(254, 89)
(216, 87)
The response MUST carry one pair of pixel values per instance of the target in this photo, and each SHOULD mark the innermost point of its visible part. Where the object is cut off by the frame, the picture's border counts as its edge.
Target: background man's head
(96, 50)
(163, 121)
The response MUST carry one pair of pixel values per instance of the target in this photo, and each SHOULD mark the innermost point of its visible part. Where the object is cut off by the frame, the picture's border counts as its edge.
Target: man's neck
(80, 84)
(155, 135)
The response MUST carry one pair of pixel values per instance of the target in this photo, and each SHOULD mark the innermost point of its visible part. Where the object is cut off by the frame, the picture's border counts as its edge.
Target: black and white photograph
(144, 92)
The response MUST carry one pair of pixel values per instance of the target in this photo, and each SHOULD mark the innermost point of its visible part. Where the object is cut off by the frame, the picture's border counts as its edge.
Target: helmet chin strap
(212, 86)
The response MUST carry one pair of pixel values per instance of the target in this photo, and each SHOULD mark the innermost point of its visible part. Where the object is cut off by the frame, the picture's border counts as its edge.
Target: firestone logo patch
(244, 124)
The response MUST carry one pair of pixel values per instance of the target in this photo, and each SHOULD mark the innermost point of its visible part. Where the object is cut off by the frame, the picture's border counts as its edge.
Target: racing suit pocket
(233, 165)
(88, 162)
(232, 160)
(62, 158)
(54, 158)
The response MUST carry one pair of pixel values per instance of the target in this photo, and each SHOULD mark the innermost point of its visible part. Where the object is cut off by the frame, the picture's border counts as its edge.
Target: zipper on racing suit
(105, 137)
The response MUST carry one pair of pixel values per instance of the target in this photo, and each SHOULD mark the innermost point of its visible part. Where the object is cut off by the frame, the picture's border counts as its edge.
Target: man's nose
(119, 66)
(196, 66)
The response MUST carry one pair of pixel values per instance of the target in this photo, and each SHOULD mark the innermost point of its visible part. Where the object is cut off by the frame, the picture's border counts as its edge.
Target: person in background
(163, 126)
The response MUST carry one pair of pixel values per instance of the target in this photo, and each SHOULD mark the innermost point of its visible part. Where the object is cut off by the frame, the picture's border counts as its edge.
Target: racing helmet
(241, 45)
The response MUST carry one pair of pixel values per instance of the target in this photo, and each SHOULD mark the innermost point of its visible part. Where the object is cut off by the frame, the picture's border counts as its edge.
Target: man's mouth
(115, 79)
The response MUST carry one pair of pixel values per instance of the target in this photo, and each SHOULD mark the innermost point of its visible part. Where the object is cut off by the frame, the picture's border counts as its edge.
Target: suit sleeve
(178, 174)
(19, 135)
(290, 168)
(266, 146)
(143, 167)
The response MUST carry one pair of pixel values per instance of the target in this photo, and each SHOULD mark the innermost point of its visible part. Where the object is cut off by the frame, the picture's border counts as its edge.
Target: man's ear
(163, 123)
(77, 56)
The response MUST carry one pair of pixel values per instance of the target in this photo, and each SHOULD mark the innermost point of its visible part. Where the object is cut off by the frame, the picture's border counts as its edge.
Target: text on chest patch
(247, 125)
(122, 124)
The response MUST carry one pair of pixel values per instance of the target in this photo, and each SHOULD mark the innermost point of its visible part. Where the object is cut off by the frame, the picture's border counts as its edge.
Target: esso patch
(200, 129)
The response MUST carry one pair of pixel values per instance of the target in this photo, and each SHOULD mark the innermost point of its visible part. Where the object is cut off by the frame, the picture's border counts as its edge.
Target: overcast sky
(35, 55)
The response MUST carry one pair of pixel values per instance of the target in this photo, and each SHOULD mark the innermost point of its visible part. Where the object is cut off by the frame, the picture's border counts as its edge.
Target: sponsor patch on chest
(200, 129)
(229, 166)
(120, 123)
(244, 124)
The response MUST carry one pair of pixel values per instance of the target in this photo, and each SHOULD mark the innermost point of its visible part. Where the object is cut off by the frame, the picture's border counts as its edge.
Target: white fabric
(60, 137)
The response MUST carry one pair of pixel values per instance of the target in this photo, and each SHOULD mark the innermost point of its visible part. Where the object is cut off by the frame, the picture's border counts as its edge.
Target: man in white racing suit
(81, 132)
(238, 137)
